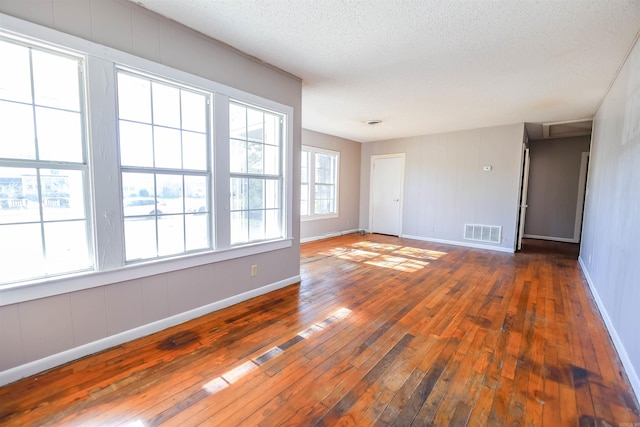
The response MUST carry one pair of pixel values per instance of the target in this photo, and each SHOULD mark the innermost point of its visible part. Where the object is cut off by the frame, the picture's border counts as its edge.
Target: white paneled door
(387, 185)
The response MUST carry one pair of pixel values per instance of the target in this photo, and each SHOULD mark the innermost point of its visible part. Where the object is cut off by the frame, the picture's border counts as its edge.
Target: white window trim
(107, 217)
(311, 183)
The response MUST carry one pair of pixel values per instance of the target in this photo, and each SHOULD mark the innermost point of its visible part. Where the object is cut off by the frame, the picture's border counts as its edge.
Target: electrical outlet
(254, 270)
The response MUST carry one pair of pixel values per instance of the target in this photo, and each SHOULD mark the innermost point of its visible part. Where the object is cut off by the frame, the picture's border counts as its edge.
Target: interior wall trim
(328, 235)
(555, 239)
(456, 243)
(40, 365)
(615, 338)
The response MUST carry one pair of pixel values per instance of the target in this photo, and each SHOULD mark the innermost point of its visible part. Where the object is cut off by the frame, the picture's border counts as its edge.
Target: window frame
(311, 183)
(278, 177)
(105, 201)
(158, 170)
(39, 165)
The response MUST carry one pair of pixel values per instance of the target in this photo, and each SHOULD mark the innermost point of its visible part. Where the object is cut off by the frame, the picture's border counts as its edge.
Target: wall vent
(483, 233)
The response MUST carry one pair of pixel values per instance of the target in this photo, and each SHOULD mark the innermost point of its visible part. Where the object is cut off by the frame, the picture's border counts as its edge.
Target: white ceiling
(427, 66)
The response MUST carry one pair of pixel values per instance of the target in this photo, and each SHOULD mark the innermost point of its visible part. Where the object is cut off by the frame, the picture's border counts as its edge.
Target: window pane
(256, 225)
(272, 222)
(134, 98)
(304, 199)
(194, 111)
(62, 194)
(325, 166)
(323, 207)
(196, 231)
(271, 129)
(194, 151)
(195, 190)
(56, 81)
(19, 243)
(271, 160)
(140, 238)
(254, 125)
(238, 154)
(170, 235)
(304, 167)
(166, 105)
(17, 131)
(324, 192)
(138, 185)
(255, 158)
(239, 227)
(169, 193)
(256, 194)
(167, 148)
(59, 135)
(239, 194)
(66, 246)
(237, 121)
(136, 144)
(272, 194)
(15, 73)
(16, 184)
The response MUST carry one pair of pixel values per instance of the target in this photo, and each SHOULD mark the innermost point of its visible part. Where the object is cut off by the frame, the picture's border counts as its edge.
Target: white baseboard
(328, 235)
(457, 243)
(555, 239)
(40, 365)
(617, 342)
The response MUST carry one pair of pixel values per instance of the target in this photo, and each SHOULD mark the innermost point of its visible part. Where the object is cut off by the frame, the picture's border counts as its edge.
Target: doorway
(523, 196)
(386, 194)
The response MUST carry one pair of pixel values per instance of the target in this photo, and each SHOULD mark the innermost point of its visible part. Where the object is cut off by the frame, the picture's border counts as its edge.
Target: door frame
(582, 185)
(522, 213)
(374, 157)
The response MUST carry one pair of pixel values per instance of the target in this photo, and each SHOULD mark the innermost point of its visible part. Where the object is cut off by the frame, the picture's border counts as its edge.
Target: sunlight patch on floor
(398, 263)
(234, 374)
(401, 258)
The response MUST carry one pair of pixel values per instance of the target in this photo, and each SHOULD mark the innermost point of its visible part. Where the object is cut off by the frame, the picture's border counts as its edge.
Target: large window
(115, 168)
(319, 178)
(164, 158)
(255, 147)
(44, 226)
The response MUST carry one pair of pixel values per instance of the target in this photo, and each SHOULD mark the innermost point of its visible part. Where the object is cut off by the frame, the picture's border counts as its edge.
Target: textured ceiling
(427, 66)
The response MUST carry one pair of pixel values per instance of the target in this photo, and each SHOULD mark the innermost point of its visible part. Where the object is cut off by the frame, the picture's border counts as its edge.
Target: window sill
(317, 217)
(42, 288)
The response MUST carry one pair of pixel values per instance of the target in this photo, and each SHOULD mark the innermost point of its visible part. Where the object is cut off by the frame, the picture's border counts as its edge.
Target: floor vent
(483, 233)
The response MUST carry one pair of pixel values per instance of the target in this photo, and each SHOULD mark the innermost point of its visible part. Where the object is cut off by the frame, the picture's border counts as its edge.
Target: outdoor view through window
(43, 174)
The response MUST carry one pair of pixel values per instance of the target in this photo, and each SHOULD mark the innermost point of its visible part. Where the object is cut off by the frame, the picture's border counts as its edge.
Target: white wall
(349, 187)
(609, 252)
(37, 334)
(445, 185)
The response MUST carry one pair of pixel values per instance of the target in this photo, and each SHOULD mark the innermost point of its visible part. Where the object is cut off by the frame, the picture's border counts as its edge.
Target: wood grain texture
(381, 331)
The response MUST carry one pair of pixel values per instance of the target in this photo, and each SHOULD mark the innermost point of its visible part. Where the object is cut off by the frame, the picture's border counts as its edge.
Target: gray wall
(553, 186)
(349, 186)
(445, 185)
(611, 231)
(37, 329)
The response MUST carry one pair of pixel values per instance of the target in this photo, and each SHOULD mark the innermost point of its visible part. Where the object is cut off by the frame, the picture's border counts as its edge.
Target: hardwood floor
(381, 331)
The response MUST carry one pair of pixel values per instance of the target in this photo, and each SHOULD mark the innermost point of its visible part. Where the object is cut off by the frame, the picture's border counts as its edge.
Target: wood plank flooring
(381, 331)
